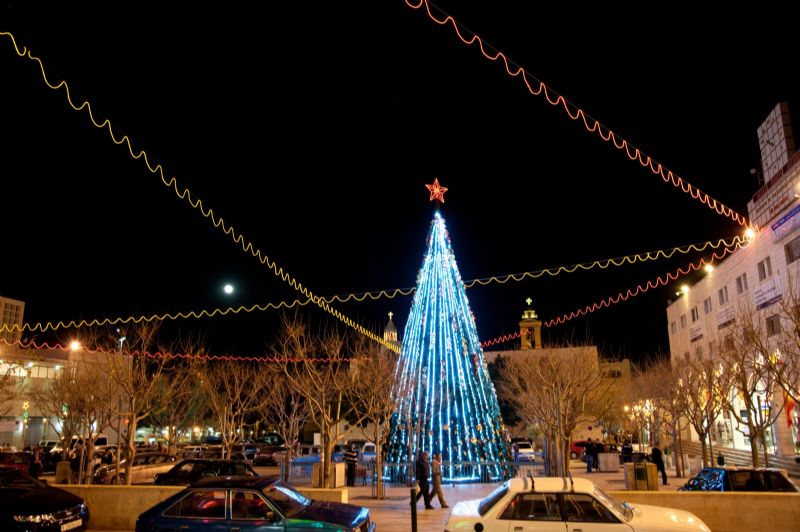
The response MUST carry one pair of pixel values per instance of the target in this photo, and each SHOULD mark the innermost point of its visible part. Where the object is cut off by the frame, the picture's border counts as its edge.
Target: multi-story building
(11, 312)
(755, 278)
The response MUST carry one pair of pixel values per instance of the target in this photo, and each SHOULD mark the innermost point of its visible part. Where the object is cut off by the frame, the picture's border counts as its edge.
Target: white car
(524, 451)
(564, 505)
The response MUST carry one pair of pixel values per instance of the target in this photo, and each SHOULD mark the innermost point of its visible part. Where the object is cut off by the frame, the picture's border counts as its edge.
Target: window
(792, 250)
(723, 295)
(205, 504)
(249, 505)
(683, 321)
(695, 314)
(698, 353)
(712, 347)
(582, 508)
(533, 507)
(672, 328)
(686, 356)
(729, 343)
(764, 269)
(741, 284)
(707, 308)
(773, 325)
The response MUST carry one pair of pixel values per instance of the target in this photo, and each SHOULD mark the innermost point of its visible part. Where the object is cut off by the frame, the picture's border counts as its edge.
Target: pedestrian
(515, 448)
(423, 471)
(436, 468)
(627, 452)
(35, 469)
(588, 452)
(596, 450)
(75, 462)
(658, 460)
(350, 460)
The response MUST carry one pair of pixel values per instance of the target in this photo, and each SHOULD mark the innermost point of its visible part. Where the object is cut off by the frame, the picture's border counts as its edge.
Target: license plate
(71, 525)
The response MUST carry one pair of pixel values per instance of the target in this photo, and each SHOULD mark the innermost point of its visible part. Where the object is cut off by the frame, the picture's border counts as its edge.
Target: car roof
(551, 485)
(236, 482)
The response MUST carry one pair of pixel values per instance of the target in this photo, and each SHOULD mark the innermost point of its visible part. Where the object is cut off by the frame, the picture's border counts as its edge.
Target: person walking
(423, 470)
(35, 469)
(588, 452)
(597, 448)
(436, 468)
(658, 460)
(351, 460)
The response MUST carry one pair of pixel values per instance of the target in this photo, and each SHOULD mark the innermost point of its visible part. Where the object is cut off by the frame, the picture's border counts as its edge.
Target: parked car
(255, 503)
(27, 504)
(577, 448)
(524, 451)
(266, 455)
(143, 470)
(195, 451)
(189, 471)
(552, 503)
(739, 479)
(247, 450)
(20, 460)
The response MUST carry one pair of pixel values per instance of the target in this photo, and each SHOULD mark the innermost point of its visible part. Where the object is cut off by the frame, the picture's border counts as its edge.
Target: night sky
(314, 128)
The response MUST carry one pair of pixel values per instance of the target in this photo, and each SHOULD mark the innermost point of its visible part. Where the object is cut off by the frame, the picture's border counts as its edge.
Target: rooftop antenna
(571, 482)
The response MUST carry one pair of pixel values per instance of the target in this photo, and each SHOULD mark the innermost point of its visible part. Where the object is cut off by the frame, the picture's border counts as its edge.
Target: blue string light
(448, 403)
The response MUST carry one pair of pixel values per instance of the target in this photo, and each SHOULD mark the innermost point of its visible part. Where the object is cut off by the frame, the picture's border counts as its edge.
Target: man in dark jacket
(658, 460)
(423, 471)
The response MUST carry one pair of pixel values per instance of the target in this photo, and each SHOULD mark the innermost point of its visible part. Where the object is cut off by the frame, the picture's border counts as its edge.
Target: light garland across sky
(186, 195)
(376, 295)
(31, 345)
(624, 296)
(538, 88)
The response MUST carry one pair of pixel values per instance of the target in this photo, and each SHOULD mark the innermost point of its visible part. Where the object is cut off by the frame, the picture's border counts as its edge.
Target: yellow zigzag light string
(388, 294)
(186, 195)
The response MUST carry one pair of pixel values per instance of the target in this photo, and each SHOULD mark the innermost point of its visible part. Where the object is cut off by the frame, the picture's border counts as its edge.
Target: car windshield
(12, 478)
(622, 507)
(524, 446)
(491, 499)
(288, 501)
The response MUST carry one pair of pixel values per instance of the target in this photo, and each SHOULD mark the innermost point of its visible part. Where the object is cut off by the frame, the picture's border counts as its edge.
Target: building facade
(11, 313)
(755, 278)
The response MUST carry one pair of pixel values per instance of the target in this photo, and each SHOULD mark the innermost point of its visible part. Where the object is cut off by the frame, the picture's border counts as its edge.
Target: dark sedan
(189, 471)
(255, 504)
(29, 505)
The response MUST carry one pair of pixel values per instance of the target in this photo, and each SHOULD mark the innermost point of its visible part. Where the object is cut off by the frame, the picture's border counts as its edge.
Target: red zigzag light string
(538, 88)
(623, 296)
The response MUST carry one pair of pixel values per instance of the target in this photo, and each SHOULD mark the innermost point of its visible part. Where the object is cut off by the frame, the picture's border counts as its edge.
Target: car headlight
(41, 518)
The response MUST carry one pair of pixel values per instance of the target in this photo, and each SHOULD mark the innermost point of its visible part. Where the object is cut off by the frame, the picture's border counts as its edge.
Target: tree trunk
(378, 471)
(764, 445)
(703, 449)
(327, 461)
(131, 450)
(753, 444)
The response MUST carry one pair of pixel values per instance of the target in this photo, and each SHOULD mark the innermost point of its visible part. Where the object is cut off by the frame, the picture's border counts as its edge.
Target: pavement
(393, 513)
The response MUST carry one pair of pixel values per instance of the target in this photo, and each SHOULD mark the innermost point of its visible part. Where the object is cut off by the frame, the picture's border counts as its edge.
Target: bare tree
(234, 390)
(143, 383)
(700, 396)
(658, 381)
(62, 397)
(375, 373)
(10, 385)
(318, 369)
(287, 412)
(555, 389)
(745, 354)
(183, 403)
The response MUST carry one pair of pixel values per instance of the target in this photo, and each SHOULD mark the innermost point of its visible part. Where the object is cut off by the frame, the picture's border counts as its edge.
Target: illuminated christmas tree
(447, 402)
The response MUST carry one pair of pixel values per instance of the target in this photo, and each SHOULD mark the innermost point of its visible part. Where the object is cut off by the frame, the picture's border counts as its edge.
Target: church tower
(530, 328)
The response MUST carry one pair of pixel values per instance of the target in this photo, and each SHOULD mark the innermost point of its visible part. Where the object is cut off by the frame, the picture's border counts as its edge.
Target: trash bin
(640, 476)
(338, 475)
(720, 460)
